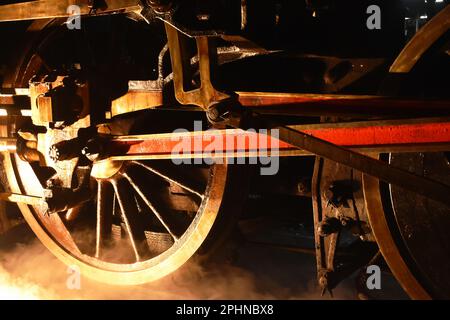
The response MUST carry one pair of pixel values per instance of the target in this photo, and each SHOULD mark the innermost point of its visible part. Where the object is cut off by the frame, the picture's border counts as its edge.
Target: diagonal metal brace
(370, 166)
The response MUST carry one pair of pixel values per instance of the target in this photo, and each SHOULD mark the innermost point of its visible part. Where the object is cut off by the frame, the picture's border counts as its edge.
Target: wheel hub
(105, 169)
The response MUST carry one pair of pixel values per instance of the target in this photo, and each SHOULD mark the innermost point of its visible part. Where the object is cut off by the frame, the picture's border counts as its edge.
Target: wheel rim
(423, 223)
(410, 229)
(387, 243)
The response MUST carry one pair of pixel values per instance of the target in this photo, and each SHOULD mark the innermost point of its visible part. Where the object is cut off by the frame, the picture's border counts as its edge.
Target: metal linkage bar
(239, 143)
(43, 9)
(269, 102)
(341, 105)
(14, 102)
(370, 166)
(8, 145)
(20, 198)
(413, 135)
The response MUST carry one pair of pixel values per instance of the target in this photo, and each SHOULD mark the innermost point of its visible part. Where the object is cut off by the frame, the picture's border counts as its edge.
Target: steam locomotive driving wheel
(121, 235)
(92, 167)
(119, 222)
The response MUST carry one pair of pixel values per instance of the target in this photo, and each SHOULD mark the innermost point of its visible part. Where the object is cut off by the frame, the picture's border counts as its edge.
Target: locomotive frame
(68, 154)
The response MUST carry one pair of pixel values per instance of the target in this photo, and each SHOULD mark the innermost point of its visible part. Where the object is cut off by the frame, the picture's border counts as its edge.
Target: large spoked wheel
(144, 219)
(412, 230)
(143, 222)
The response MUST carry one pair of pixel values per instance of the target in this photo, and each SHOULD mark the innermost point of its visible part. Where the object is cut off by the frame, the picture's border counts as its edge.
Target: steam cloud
(29, 271)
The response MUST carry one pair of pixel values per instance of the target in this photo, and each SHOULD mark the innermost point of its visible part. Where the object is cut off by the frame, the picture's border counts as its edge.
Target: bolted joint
(329, 226)
(338, 194)
(65, 150)
(224, 112)
(94, 149)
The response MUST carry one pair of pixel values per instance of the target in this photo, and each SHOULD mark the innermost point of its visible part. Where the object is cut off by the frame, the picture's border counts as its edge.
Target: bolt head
(54, 153)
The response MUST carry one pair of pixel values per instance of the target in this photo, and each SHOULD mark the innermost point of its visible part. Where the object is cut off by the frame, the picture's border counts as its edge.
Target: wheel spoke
(183, 185)
(104, 216)
(151, 206)
(130, 216)
(73, 213)
(35, 63)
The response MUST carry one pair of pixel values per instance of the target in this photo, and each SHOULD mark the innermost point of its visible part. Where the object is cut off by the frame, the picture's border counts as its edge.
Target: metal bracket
(206, 95)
